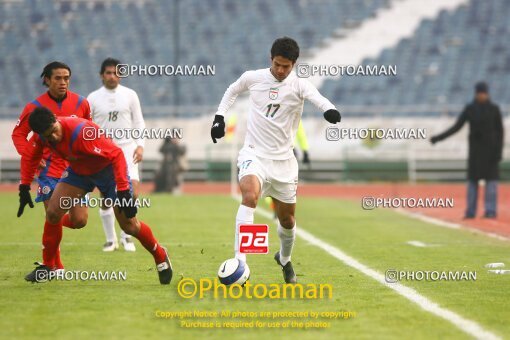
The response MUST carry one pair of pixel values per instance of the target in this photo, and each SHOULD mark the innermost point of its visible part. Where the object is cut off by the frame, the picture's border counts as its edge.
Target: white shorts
(128, 150)
(278, 178)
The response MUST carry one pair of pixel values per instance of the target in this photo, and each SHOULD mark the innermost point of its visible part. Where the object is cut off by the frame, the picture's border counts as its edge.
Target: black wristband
(219, 119)
(24, 187)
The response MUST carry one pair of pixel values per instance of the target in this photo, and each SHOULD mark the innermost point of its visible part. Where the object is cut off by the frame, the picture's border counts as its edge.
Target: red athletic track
(355, 192)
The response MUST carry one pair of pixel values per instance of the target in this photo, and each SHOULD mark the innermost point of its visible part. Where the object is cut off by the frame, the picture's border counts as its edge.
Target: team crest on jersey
(46, 190)
(97, 150)
(17, 122)
(64, 174)
(273, 93)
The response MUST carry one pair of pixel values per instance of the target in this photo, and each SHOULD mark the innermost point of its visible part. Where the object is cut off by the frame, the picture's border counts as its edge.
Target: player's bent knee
(288, 222)
(130, 227)
(250, 199)
(54, 216)
(79, 222)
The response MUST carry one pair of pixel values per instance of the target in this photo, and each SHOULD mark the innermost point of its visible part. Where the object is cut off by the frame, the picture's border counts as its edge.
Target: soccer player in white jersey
(267, 165)
(114, 106)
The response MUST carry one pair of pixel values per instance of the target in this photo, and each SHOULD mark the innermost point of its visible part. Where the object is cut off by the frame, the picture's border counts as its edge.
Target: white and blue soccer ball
(234, 271)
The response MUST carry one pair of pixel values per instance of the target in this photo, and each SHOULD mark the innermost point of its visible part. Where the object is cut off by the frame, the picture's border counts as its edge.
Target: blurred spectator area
(232, 35)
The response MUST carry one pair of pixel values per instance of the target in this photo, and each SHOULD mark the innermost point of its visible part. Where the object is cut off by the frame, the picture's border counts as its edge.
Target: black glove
(218, 128)
(306, 158)
(127, 203)
(434, 140)
(24, 198)
(332, 116)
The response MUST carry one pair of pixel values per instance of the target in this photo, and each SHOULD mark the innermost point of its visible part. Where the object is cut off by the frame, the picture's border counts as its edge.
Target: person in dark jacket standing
(485, 148)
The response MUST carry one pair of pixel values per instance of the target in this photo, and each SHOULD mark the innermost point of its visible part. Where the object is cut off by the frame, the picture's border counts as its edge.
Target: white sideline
(418, 244)
(470, 327)
(449, 225)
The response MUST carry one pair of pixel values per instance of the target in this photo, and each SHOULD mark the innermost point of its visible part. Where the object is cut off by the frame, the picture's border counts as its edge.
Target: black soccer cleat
(40, 274)
(165, 271)
(288, 272)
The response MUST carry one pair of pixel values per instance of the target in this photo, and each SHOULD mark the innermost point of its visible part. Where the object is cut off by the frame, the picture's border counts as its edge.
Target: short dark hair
(108, 62)
(285, 47)
(41, 119)
(48, 70)
(481, 87)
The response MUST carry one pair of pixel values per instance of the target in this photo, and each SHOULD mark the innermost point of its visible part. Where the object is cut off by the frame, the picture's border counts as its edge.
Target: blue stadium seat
(442, 61)
(236, 36)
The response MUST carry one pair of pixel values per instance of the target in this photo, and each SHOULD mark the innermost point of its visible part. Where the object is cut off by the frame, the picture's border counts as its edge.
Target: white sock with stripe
(244, 216)
(108, 219)
(287, 238)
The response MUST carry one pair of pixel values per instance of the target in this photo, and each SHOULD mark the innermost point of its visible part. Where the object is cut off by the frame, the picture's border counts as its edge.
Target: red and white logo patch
(254, 238)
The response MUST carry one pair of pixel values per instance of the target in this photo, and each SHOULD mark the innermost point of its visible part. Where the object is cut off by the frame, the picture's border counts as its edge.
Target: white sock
(123, 234)
(287, 237)
(108, 219)
(244, 216)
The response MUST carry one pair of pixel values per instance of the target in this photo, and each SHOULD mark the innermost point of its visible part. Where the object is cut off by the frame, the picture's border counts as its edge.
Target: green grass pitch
(198, 231)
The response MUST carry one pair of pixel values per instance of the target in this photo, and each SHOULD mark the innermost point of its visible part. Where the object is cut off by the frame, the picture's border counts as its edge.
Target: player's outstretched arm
(218, 128)
(22, 129)
(236, 88)
(29, 161)
(309, 92)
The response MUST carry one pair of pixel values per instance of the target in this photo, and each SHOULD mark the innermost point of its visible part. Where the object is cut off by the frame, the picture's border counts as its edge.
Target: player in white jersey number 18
(114, 108)
(267, 165)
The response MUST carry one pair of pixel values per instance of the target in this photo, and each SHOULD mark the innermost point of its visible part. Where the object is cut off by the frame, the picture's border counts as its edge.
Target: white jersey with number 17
(275, 110)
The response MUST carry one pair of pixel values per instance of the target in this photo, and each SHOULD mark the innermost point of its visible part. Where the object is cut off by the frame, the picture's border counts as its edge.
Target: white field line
(468, 326)
(449, 225)
(38, 244)
(418, 244)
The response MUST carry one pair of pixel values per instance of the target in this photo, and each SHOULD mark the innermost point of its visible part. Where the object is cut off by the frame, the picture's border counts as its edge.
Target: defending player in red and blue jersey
(63, 103)
(94, 161)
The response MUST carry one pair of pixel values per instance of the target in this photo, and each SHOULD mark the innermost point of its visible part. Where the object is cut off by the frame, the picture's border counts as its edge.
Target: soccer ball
(233, 271)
